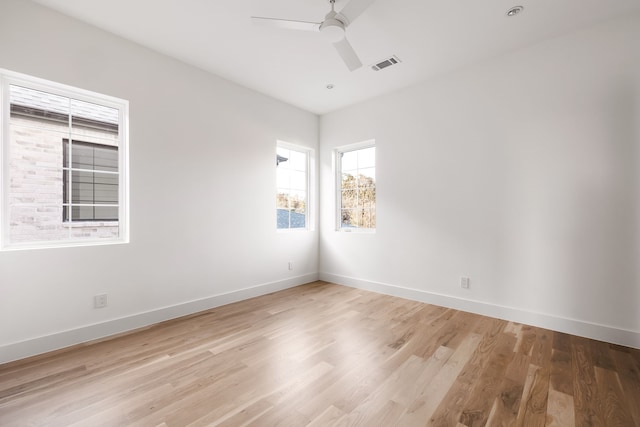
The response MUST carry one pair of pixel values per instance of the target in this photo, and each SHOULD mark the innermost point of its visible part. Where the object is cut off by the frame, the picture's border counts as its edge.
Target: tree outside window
(357, 192)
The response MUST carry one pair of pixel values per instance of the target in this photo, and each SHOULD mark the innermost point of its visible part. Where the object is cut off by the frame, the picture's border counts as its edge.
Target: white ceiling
(429, 36)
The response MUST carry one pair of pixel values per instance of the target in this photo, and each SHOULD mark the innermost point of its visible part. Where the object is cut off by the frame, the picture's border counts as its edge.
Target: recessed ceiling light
(329, 86)
(515, 10)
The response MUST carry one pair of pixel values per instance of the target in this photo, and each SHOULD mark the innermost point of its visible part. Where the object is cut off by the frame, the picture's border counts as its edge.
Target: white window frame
(8, 78)
(310, 185)
(337, 155)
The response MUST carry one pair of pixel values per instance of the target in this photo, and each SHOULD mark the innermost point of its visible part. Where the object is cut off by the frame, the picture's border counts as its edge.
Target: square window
(64, 154)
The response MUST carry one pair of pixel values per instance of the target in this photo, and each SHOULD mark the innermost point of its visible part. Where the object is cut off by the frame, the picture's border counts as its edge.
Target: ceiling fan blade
(347, 54)
(354, 8)
(286, 24)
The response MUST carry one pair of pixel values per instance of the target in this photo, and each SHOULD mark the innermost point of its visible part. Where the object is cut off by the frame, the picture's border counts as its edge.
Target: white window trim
(338, 183)
(8, 78)
(311, 173)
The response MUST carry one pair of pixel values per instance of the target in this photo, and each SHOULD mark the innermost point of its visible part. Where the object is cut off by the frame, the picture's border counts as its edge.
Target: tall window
(292, 196)
(356, 166)
(64, 162)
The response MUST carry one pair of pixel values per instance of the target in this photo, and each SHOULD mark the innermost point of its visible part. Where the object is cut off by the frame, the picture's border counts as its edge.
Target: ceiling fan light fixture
(332, 30)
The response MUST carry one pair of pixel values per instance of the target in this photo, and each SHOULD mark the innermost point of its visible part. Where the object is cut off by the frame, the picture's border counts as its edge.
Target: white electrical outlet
(465, 282)
(100, 301)
(290, 265)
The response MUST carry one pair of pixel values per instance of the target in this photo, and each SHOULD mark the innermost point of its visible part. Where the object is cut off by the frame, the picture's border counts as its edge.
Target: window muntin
(356, 166)
(292, 196)
(64, 159)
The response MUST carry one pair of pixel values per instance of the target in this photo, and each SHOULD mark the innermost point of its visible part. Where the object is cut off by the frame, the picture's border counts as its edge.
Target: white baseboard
(44, 344)
(35, 346)
(543, 320)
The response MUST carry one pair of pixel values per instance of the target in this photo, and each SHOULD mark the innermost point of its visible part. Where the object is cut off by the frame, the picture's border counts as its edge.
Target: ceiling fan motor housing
(332, 28)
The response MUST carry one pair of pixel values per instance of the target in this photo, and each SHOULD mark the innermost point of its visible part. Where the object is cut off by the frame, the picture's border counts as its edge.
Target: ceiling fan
(332, 28)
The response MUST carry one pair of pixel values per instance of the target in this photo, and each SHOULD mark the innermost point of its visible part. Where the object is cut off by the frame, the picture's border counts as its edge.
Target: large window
(64, 165)
(292, 195)
(356, 167)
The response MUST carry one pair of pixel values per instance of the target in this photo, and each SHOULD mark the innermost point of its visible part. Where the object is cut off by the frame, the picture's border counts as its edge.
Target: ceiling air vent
(393, 60)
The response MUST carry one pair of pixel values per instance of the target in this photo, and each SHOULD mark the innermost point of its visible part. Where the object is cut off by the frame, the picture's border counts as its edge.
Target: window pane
(298, 201)
(36, 223)
(348, 181)
(283, 152)
(292, 182)
(284, 177)
(366, 158)
(349, 199)
(349, 161)
(366, 218)
(83, 213)
(298, 180)
(297, 220)
(94, 187)
(82, 191)
(87, 155)
(298, 160)
(367, 197)
(89, 118)
(282, 200)
(283, 218)
(106, 213)
(37, 104)
(290, 219)
(369, 173)
(106, 159)
(357, 188)
(82, 156)
(105, 188)
(349, 218)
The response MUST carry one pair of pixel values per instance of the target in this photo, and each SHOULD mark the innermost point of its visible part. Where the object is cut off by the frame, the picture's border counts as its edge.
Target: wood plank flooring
(328, 355)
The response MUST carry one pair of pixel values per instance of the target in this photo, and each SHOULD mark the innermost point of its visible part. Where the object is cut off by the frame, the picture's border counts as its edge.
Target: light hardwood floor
(328, 355)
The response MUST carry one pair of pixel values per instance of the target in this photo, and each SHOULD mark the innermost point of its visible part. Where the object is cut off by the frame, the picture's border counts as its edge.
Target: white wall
(202, 192)
(520, 172)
